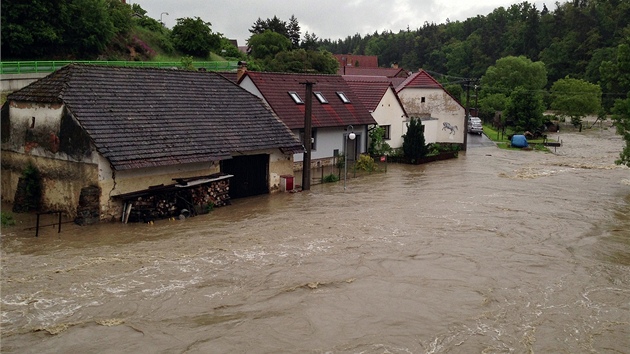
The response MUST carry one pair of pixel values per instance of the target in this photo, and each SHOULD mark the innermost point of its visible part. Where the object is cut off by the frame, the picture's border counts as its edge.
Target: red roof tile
(420, 79)
(387, 72)
(369, 89)
(275, 88)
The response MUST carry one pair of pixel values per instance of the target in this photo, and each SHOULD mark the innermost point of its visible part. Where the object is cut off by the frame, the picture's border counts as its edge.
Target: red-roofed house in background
(425, 98)
(380, 98)
(334, 107)
(351, 60)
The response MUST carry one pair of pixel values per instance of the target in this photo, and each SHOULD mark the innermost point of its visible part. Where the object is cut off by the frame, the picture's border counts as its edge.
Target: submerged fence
(29, 67)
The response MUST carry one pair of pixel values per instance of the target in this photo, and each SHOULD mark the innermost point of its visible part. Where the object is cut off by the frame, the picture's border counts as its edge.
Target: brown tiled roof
(370, 61)
(365, 71)
(421, 79)
(147, 117)
(275, 88)
(369, 89)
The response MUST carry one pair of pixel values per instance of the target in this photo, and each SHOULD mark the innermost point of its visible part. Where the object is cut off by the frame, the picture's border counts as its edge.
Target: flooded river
(494, 252)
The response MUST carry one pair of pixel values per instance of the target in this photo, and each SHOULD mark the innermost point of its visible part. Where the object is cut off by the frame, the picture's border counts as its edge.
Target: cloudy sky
(328, 19)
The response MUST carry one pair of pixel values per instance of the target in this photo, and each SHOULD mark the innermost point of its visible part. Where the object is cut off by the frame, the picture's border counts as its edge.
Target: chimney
(242, 69)
(395, 65)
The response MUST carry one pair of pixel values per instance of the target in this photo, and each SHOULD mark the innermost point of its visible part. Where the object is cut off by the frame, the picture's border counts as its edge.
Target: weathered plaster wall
(279, 165)
(62, 180)
(440, 105)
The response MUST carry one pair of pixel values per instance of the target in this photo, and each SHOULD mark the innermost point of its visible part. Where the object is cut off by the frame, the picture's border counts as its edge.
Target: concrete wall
(440, 105)
(14, 82)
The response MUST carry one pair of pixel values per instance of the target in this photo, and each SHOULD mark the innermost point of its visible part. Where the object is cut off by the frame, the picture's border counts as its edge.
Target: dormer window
(343, 97)
(296, 98)
(320, 97)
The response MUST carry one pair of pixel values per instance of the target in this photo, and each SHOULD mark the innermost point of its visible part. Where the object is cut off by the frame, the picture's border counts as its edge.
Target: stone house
(127, 132)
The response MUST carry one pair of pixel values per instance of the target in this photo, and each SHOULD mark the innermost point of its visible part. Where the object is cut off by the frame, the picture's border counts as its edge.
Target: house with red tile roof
(380, 98)
(351, 60)
(336, 110)
(425, 98)
(366, 71)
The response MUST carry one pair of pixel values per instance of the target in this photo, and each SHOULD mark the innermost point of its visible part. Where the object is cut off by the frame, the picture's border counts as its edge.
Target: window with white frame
(343, 97)
(296, 98)
(320, 97)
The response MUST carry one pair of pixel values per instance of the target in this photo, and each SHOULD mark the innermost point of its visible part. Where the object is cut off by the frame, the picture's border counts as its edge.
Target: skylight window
(320, 97)
(343, 97)
(296, 98)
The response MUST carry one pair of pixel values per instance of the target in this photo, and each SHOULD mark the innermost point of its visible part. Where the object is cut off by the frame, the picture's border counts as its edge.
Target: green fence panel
(27, 67)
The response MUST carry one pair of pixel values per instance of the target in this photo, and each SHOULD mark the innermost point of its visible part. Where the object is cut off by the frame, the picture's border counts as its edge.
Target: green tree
(300, 60)
(576, 98)
(511, 72)
(621, 119)
(414, 146)
(615, 74)
(30, 29)
(79, 29)
(525, 109)
(293, 31)
(490, 104)
(378, 146)
(267, 44)
(195, 37)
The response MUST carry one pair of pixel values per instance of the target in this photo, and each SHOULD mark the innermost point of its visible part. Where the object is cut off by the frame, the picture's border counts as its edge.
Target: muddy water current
(493, 252)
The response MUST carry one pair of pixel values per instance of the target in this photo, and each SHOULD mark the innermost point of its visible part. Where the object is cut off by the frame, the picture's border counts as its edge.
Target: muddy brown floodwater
(493, 252)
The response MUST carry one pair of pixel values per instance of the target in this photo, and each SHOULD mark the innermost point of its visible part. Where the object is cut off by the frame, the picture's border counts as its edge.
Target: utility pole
(306, 161)
(467, 113)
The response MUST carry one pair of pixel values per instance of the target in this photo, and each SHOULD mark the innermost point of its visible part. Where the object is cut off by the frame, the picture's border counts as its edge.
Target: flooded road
(493, 252)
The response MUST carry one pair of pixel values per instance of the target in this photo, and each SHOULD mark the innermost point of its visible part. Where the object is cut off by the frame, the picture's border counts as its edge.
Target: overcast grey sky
(328, 19)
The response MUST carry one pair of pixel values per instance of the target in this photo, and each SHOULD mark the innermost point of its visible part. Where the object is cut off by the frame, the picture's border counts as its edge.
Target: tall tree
(293, 31)
(195, 37)
(525, 109)
(267, 44)
(511, 72)
(414, 146)
(576, 98)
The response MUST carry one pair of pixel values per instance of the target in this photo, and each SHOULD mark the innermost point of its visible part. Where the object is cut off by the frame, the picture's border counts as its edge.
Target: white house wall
(329, 139)
(389, 112)
(440, 105)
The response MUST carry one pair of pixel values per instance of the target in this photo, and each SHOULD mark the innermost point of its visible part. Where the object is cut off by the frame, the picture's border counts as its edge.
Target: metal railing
(29, 67)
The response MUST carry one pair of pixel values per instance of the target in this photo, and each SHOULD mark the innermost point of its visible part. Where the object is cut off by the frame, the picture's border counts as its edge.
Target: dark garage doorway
(251, 175)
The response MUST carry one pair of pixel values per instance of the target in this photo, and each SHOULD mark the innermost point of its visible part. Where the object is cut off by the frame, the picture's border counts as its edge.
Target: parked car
(474, 125)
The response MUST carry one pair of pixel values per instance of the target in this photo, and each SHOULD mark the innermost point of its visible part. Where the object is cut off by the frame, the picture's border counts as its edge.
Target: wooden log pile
(162, 204)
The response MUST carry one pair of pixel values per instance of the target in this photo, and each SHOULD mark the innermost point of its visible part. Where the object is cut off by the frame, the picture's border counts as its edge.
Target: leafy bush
(377, 145)
(330, 178)
(366, 163)
(7, 219)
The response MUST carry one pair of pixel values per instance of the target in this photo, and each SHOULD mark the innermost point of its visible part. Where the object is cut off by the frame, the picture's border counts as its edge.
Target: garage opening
(251, 175)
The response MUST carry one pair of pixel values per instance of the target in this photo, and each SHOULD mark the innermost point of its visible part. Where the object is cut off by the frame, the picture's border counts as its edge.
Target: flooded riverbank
(495, 251)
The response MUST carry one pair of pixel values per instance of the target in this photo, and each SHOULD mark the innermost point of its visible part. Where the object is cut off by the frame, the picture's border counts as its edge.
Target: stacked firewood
(215, 194)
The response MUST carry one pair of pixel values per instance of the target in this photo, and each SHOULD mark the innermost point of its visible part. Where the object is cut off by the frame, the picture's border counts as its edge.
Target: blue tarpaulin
(519, 141)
